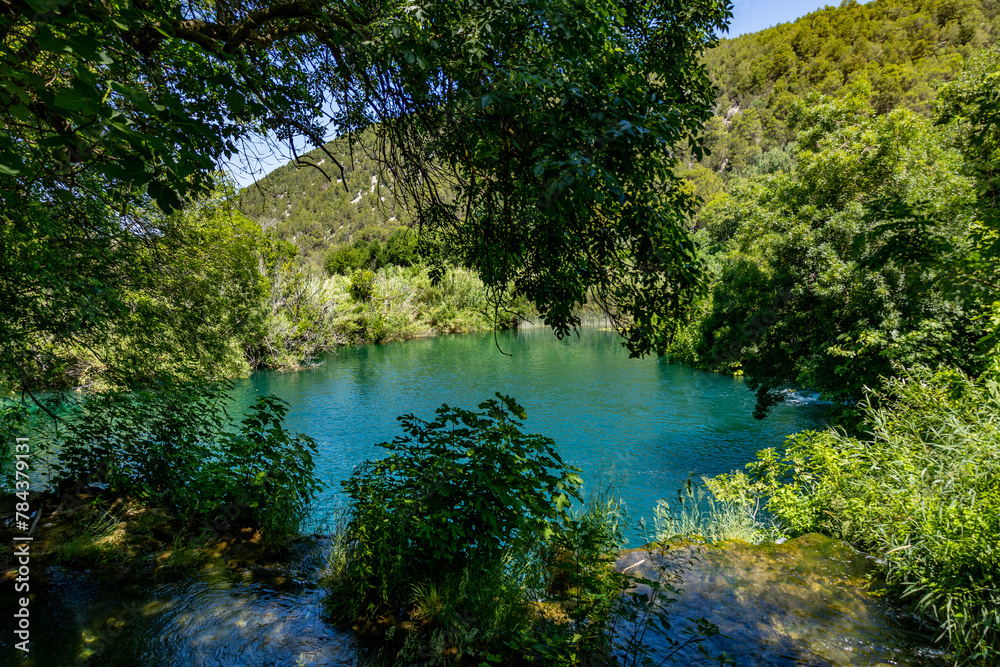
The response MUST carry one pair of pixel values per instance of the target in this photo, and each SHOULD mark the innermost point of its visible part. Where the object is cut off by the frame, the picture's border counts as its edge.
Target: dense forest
(896, 52)
(811, 207)
(850, 235)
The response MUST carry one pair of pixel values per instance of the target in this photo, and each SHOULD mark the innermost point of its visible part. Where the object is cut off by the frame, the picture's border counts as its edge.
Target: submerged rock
(806, 601)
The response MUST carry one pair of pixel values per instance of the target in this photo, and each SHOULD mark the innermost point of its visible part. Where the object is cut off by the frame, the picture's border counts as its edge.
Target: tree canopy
(832, 272)
(551, 121)
(866, 248)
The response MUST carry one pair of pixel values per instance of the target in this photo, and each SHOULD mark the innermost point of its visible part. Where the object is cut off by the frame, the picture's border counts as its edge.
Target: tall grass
(698, 514)
(309, 314)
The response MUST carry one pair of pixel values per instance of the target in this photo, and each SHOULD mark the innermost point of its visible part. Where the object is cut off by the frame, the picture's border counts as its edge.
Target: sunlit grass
(697, 514)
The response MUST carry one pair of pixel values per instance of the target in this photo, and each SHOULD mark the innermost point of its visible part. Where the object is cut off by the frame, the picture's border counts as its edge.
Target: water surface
(643, 425)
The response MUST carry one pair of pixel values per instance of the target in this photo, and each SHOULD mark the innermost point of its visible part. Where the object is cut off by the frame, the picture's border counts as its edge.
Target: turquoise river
(640, 427)
(643, 426)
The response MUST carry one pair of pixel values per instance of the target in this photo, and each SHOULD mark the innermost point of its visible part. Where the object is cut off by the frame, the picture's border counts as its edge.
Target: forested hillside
(312, 203)
(894, 50)
(857, 258)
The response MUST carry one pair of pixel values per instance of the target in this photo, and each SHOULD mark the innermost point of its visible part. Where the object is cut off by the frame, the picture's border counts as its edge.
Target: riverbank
(117, 536)
(806, 601)
(171, 601)
(305, 315)
(312, 314)
(300, 316)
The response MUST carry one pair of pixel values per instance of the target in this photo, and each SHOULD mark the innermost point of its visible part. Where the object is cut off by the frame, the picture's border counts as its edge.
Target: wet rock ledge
(811, 601)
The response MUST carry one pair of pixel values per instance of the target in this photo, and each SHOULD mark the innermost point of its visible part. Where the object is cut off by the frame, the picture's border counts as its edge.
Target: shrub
(269, 468)
(467, 484)
(401, 247)
(463, 537)
(362, 286)
(342, 260)
(176, 447)
(921, 490)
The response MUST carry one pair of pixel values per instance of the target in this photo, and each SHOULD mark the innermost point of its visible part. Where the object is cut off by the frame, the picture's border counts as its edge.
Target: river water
(639, 426)
(643, 426)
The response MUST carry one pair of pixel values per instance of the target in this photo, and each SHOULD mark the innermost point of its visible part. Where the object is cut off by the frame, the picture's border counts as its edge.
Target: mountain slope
(894, 50)
(311, 204)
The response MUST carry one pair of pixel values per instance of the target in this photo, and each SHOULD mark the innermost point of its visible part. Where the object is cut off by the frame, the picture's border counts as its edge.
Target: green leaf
(164, 196)
(71, 100)
(21, 112)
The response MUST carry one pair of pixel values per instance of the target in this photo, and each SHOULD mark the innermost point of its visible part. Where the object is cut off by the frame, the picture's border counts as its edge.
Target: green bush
(448, 526)
(921, 491)
(468, 484)
(310, 315)
(341, 260)
(177, 448)
(399, 249)
(360, 254)
(463, 537)
(362, 286)
(271, 470)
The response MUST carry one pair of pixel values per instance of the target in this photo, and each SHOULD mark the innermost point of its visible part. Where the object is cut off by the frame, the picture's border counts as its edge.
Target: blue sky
(748, 16)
